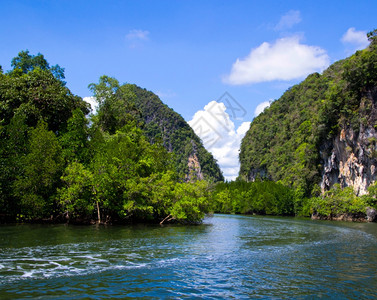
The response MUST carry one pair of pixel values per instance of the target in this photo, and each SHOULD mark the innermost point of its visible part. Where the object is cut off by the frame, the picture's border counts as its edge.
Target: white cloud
(167, 94)
(93, 103)
(286, 59)
(261, 107)
(244, 127)
(137, 37)
(137, 34)
(356, 38)
(219, 135)
(288, 20)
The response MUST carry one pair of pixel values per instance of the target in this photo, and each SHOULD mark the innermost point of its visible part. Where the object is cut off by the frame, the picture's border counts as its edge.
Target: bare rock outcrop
(350, 158)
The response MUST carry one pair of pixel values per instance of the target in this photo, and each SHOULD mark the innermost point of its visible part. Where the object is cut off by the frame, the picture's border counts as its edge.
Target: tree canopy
(26, 63)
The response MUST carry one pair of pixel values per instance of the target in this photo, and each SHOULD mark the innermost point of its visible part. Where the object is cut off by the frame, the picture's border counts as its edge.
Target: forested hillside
(321, 132)
(58, 165)
(160, 124)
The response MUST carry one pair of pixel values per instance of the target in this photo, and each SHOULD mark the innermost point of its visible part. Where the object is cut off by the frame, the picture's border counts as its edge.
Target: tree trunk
(167, 217)
(98, 213)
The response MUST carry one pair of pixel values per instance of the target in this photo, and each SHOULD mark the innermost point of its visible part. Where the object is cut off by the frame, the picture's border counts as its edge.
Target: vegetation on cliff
(284, 143)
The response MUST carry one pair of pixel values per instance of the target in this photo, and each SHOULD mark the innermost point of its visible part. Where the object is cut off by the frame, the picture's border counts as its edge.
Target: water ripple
(227, 257)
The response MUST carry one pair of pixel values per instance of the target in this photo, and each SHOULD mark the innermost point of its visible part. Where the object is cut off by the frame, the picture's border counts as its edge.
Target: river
(225, 257)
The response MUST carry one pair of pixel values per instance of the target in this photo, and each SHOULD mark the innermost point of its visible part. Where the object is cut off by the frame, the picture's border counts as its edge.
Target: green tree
(36, 187)
(26, 63)
(115, 162)
(37, 94)
(75, 140)
(338, 201)
(260, 197)
(190, 202)
(372, 37)
(127, 173)
(75, 197)
(371, 198)
(115, 104)
(13, 149)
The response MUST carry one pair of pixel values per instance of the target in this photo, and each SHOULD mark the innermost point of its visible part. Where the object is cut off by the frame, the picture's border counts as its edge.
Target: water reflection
(227, 256)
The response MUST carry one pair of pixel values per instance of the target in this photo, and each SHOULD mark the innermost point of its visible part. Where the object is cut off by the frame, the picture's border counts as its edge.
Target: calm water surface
(226, 257)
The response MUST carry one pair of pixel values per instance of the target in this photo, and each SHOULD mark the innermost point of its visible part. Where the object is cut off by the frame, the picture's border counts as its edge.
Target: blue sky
(190, 52)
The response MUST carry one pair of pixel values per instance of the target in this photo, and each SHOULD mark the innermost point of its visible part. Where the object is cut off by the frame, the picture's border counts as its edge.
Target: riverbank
(369, 217)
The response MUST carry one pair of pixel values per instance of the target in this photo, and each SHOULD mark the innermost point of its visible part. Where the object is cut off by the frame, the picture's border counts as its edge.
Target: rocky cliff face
(194, 168)
(195, 171)
(255, 174)
(350, 159)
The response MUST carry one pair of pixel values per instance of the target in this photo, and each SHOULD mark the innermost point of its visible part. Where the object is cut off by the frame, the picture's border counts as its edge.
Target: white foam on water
(28, 274)
(66, 260)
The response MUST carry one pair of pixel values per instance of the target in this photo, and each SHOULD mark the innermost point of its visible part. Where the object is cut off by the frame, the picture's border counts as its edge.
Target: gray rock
(371, 214)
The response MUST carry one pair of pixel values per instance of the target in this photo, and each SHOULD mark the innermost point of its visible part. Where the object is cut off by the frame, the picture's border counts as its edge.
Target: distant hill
(120, 104)
(162, 122)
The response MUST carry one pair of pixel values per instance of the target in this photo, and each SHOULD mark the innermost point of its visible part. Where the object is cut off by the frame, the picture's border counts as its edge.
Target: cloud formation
(288, 20)
(137, 37)
(286, 59)
(167, 94)
(261, 107)
(356, 38)
(219, 135)
(137, 34)
(93, 103)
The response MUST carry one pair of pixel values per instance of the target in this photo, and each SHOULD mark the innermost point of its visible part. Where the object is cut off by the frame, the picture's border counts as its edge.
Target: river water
(226, 257)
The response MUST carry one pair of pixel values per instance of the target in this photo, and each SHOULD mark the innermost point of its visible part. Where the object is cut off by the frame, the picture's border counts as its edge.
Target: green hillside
(320, 132)
(162, 123)
(118, 104)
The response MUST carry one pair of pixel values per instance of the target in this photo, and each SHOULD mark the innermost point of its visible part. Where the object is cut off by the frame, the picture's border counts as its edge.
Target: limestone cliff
(195, 171)
(350, 158)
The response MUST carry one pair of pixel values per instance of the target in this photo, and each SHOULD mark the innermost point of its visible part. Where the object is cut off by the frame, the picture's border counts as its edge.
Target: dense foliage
(343, 201)
(274, 198)
(57, 165)
(284, 142)
(338, 201)
(260, 197)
